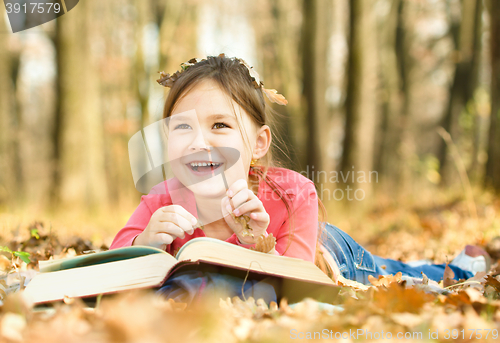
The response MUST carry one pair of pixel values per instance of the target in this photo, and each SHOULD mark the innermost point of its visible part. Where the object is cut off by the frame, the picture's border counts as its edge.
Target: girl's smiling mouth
(203, 167)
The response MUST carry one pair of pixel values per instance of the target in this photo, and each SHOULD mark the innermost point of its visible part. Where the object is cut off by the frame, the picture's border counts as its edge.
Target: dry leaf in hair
(253, 74)
(273, 96)
(168, 80)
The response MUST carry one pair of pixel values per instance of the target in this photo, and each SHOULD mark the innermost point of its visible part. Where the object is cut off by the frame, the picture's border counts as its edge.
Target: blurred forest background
(407, 91)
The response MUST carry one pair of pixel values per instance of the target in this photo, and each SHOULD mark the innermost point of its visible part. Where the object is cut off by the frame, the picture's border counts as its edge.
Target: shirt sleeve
(135, 225)
(304, 226)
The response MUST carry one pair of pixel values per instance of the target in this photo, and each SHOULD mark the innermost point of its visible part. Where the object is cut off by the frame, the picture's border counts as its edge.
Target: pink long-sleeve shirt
(303, 201)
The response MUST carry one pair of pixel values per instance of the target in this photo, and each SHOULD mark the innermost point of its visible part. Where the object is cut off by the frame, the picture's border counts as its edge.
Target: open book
(147, 267)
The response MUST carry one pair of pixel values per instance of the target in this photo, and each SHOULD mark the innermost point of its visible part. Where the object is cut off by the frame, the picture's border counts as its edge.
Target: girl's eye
(220, 123)
(182, 126)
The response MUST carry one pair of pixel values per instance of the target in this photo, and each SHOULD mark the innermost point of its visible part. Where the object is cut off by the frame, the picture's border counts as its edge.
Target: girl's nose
(199, 143)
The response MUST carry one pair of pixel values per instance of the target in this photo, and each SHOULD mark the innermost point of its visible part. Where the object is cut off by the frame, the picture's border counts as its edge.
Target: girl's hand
(245, 202)
(165, 225)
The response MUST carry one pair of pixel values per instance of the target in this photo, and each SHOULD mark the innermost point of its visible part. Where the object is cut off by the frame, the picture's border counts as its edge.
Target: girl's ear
(262, 143)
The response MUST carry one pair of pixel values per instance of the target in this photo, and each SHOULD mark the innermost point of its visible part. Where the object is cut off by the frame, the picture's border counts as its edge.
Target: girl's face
(203, 130)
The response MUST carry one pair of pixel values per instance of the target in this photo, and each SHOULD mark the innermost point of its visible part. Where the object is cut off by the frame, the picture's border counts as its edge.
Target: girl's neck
(208, 209)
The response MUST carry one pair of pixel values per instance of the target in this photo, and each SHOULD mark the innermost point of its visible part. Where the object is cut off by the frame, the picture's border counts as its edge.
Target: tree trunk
(465, 79)
(388, 161)
(80, 176)
(8, 180)
(143, 80)
(361, 104)
(178, 34)
(314, 65)
(493, 164)
(279, 58)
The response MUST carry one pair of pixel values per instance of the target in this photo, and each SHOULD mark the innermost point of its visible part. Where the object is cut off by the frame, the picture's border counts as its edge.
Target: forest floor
(437, 229)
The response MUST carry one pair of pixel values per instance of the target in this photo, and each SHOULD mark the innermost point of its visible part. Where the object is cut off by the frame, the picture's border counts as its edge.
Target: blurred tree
(277, 38)
(466, 32)
(361, 101)
(314, 65)
(393, 53)
(178, 33)
(9, 157)
(142, 74)
(116, 49)
(79, 177)
(493, 164)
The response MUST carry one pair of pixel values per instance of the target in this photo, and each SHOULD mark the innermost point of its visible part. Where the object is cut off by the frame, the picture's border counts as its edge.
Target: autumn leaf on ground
(491, 281)
(396, 298)
(385, 280)
(3, 289)
(342, 281)
(448, 277)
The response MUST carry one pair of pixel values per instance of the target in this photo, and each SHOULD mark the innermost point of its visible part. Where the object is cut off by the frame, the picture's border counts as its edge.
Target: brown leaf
(273, 96)
(491, 281)
(265, 244)
(385, 280)
(459, 299)
(397, 298)
(243, 220)
(448, 277)
(475, 296)
(5, 264)
(3, 289)
(351, 283)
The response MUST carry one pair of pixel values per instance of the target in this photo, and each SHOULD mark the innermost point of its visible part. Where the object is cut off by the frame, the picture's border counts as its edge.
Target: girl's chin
(208, 192)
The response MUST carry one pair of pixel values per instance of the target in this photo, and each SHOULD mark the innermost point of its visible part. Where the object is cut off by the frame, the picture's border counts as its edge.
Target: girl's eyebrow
(220, 116)
(179, 117)
(210, 117)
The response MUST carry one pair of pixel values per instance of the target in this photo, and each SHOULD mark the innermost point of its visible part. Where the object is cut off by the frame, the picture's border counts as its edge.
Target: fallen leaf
(448, 277)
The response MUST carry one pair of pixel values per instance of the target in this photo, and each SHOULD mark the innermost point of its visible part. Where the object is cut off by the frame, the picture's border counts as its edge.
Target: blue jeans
(356, 263)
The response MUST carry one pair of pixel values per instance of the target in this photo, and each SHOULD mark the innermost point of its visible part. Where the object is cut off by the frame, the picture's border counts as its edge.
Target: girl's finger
(259, 216)
(226, 207)
(242, 197)
(237, 186)
(181, 211)
(177, 219)
(162, 238)
(254, 205)
(171, 229)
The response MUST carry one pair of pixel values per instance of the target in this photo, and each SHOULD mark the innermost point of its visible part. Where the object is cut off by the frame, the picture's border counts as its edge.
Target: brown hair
(235, 80)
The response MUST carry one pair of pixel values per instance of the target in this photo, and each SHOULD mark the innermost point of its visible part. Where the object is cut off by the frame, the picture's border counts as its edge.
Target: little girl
(219, 151)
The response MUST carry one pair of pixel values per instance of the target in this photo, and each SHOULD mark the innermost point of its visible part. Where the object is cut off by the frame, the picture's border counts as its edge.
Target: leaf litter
(390, 304)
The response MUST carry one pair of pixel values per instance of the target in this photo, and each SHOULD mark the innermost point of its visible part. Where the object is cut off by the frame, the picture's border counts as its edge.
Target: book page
(140, 272)
(98, 258)
(220, 252)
